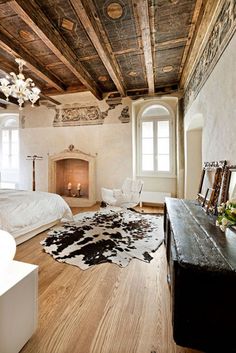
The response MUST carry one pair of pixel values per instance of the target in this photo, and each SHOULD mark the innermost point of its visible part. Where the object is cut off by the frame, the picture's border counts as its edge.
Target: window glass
(163, 146)
(163, 163)
(147, 129)
(5, 160)
(5, 148)
(147, 146)
(163, 128)
(9, 152)
(15, 136)
(155, 140)
(5, 136)
(10, 123)
(147, 162)
(155, 110)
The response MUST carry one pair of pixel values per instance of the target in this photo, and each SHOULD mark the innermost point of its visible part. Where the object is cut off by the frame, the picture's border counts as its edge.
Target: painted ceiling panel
(172, 20)
(169, 60)
(99, 73)
(6, 11)
(132, 67)
(61, 13)
(120, 31)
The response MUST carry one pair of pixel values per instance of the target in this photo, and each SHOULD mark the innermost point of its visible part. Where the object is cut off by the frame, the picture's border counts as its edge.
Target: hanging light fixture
(19, 87)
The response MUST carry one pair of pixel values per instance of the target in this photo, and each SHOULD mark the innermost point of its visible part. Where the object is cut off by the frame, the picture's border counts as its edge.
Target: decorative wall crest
(223, 30)
(71, 149)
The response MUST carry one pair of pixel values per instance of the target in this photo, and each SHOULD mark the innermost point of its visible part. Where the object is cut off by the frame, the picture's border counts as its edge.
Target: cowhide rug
(105, 236)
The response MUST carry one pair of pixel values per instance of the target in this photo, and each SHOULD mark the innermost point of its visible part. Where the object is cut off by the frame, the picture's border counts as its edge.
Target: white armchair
(128, 196)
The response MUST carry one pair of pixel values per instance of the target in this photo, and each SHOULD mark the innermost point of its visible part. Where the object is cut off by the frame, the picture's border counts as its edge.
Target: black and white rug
(105, 236)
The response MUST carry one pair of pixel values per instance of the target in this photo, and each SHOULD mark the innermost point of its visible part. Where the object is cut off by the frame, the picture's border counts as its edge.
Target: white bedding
(24, 211)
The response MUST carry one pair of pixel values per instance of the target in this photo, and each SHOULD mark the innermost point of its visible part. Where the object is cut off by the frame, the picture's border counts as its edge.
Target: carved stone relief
(223, 30)
(90, 115)
(124, 116)
(87, 115)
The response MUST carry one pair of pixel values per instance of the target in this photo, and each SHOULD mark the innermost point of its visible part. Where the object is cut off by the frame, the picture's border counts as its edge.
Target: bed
(27, 213)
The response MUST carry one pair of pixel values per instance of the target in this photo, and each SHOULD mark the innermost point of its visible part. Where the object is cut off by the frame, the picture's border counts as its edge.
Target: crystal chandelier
(19, 87)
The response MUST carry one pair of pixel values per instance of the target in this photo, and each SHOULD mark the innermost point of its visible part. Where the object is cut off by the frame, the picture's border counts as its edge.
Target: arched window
(156, 143)
(9, 151)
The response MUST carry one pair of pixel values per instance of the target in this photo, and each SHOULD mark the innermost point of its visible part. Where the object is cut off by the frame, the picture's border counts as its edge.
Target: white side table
(18, 306)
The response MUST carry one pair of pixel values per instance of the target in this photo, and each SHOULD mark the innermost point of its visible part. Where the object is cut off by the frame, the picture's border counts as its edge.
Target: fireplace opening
(72, 177)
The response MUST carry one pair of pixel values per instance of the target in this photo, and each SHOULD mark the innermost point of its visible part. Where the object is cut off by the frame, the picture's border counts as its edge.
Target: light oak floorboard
(105, 309)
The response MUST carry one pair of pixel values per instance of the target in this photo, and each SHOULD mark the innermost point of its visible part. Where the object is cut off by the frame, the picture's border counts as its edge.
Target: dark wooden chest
(202, 278)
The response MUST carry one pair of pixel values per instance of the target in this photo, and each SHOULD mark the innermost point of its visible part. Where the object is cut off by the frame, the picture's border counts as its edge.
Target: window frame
(155, 173)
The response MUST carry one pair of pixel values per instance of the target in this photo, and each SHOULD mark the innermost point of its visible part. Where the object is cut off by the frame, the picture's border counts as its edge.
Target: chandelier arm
(17, 86)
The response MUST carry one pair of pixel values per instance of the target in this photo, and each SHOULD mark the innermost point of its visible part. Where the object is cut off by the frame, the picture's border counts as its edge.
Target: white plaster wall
(111, 142)
(193, 157)
(217, 103)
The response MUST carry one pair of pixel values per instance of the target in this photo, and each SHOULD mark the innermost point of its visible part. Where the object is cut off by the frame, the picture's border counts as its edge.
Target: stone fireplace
(72, 175)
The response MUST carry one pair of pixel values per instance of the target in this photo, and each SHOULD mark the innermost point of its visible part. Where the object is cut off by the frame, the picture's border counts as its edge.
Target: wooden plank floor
(105, 309)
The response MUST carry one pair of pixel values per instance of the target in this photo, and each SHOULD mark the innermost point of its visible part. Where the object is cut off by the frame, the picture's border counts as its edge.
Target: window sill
(170, 176)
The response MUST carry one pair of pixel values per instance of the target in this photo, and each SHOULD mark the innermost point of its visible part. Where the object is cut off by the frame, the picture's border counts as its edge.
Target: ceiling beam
(171, 42)
(86, 12)
(160, 92)
(70, 89)
(34, 17)
(132, 51)
(165, 88)
(203, 29)
(10, 99)
(142, 15)
(14, 49)
(47, 98)
(2, 105)
(194, 22)
(7, 67)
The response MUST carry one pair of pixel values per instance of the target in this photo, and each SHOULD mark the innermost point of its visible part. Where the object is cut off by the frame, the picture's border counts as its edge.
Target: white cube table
(18, 306)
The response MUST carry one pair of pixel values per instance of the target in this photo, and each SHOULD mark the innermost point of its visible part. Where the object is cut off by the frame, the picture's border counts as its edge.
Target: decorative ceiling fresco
(121, 47)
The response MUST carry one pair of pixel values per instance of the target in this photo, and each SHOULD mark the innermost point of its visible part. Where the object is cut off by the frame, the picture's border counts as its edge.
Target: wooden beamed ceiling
(123, 47)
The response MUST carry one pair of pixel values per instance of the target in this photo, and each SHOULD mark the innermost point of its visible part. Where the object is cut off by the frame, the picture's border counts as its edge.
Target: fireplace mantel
(59, 175)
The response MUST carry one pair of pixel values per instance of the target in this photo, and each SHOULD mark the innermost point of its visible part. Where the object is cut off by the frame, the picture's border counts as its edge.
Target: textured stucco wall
(217, 104)
(193, 158)
(112, 142)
